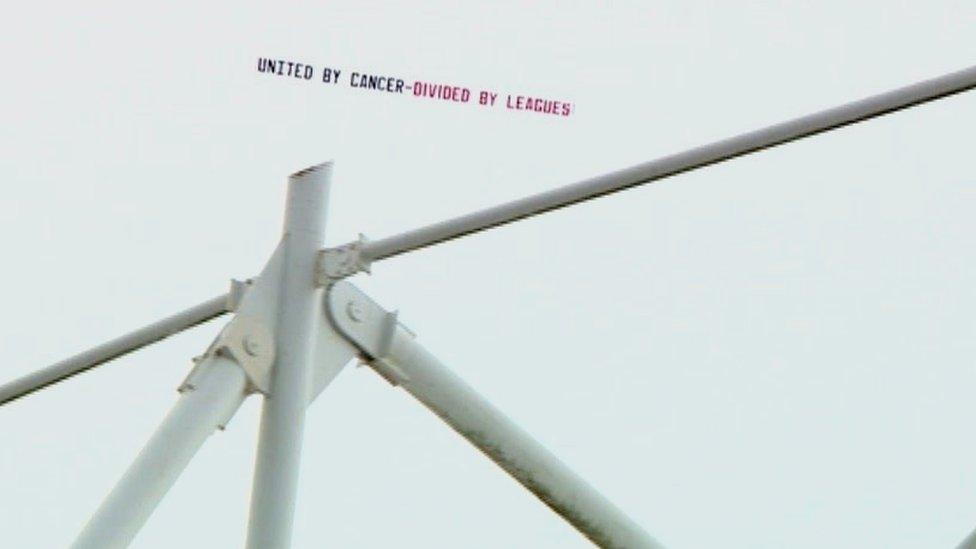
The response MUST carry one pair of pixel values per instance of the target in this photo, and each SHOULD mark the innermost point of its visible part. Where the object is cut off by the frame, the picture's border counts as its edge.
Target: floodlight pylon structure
(298, 323)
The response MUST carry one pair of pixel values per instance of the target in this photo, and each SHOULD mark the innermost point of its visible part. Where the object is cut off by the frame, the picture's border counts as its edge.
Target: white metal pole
(412, 367)
(217, 390)
(115, 348)
(283, 416)
(969, 542)
(705, 155)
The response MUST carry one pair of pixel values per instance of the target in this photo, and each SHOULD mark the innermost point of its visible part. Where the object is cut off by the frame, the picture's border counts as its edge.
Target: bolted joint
(368, 326)
(337, 263)
(360, 320)
(248, 342)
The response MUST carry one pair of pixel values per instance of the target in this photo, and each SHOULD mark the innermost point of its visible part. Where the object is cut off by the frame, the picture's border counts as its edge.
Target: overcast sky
(773, 352)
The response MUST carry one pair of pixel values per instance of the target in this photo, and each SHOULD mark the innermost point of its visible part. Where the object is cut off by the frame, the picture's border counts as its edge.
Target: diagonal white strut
(368, 251)
(115, 348)
(218, 389)
(969, 542)
(392, 351)
(705, 155)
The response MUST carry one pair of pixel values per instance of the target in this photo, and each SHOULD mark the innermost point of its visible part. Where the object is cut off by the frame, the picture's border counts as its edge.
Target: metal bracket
(367, 325)
(237, 290)
(247, 341)
(357, 317)
(340, 262)
(249, 338)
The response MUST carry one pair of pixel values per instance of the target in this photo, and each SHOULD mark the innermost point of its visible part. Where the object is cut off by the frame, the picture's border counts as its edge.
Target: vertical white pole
(217, 390)
(283, 415)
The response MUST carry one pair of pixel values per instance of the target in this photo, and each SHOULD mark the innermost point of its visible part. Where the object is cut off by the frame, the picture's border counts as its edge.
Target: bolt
(355, 312)
(252, 346)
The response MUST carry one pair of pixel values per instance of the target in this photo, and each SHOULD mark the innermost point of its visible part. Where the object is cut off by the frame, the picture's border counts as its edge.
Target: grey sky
(774, 352)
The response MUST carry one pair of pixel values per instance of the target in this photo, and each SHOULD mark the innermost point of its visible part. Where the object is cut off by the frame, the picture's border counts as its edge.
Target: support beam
(283, 415)
(969, 542)
(390, 349)
(705, 155)
(115, 348)
(209, 399)
(410, 366)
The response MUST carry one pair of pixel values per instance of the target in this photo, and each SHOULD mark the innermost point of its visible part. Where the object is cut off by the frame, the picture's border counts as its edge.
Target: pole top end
(324, 166)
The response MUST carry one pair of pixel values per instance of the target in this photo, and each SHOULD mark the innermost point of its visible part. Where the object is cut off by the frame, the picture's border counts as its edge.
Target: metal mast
(298, 323)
